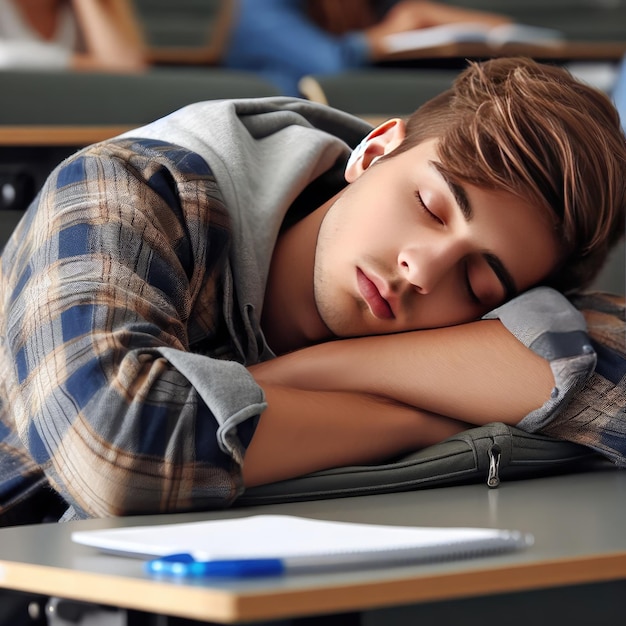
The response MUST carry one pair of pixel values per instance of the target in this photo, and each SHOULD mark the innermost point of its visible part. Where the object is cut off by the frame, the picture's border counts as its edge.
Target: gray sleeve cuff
(547, 323)
(228, 389)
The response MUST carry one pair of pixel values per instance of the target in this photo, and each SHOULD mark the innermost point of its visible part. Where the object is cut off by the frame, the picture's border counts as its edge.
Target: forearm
(475, 372)
(437, 13)
(112, 36)
(416, 14)
(303, 431)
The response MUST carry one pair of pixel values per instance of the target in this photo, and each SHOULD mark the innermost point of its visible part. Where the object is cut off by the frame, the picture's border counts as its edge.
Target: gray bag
(489, 454)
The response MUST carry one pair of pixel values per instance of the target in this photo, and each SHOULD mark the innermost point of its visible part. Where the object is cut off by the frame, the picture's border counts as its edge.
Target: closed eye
(425, 209)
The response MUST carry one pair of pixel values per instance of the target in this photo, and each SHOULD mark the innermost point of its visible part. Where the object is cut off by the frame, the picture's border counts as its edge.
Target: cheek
(530, 249)
(533, 263)
(546, 258)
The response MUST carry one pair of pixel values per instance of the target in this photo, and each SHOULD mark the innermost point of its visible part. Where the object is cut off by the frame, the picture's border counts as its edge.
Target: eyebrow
(494, 262)
(459, 193)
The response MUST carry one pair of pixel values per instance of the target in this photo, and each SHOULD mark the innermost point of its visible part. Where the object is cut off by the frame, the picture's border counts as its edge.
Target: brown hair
(532, 129)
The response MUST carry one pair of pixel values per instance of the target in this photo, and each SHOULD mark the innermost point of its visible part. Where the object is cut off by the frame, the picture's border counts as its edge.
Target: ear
(382, 140)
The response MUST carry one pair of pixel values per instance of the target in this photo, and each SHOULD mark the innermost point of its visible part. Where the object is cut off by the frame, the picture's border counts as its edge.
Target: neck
(290, 319)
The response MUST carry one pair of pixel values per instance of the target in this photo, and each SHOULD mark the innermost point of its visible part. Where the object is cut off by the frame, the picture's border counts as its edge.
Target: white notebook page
(297, 539)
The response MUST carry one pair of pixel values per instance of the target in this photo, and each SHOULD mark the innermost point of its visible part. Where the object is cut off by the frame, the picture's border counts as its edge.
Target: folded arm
(363, 400)
(521, 367)
(476, 372)
(112, 36)
(302, 431)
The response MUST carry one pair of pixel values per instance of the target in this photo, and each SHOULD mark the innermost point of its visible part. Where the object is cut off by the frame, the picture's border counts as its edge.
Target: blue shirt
(277, 40)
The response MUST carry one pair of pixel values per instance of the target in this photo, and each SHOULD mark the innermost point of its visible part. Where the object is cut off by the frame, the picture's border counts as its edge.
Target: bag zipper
(493, 478)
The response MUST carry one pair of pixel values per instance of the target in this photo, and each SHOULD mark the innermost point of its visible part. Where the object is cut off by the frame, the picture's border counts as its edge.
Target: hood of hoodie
(264, 152)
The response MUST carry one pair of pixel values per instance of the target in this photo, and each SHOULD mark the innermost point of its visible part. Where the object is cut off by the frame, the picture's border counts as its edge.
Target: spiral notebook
(303, 543)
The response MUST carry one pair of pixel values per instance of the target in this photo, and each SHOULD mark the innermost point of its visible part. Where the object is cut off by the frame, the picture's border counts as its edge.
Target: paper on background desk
(471, 32)
(297, 538)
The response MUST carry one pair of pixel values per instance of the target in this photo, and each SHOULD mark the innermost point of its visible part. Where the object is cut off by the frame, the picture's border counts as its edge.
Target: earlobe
(382, 140)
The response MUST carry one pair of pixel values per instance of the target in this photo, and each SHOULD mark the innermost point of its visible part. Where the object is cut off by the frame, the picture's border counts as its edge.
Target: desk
(48, 136)
(577, 520)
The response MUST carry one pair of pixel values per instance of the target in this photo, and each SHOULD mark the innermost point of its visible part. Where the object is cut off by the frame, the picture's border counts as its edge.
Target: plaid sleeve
(549, 325)
(596, 416)
(125, 243)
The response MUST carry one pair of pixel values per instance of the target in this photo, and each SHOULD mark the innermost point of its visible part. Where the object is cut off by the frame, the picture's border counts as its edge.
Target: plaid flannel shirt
(596, 416)
(121, 256)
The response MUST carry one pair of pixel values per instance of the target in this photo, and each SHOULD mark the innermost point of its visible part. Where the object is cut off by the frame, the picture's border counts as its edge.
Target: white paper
(464, 32)
(296, 538)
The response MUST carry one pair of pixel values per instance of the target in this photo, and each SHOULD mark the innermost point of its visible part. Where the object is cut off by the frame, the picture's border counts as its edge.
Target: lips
(378, 306)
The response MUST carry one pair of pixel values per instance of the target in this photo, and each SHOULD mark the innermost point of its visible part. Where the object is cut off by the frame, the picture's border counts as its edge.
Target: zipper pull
(493, 479)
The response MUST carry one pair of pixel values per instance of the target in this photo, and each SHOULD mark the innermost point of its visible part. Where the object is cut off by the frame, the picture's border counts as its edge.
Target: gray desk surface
(577, 521)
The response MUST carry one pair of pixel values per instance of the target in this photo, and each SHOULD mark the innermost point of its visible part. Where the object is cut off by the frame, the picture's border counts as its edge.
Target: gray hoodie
(263, 153)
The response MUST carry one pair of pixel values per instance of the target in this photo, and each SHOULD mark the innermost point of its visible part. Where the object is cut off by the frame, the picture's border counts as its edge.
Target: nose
(425, 265)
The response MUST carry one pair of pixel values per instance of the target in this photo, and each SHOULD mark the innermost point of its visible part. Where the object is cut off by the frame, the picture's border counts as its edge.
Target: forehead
(489, 182)
(519, 231)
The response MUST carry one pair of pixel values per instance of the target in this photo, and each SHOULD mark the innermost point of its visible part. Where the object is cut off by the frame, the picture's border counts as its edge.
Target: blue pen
(185, 566)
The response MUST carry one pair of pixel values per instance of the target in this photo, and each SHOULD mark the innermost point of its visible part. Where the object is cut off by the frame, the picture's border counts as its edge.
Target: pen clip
(171, 564)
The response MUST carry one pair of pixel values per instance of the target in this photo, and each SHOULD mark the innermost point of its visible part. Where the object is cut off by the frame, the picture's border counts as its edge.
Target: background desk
(46, 116)
(27, 155)
(611, 51)
(577, 520)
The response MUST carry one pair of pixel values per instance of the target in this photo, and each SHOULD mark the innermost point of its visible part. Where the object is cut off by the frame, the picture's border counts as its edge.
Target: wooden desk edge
(51, 135)
(222, 605)
(182, 55)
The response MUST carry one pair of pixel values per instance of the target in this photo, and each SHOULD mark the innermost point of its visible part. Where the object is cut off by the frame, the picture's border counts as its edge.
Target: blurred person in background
(91, 35)
(283, 40)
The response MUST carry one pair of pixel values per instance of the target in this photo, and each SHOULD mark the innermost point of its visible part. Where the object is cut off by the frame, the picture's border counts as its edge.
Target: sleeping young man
(221, 298)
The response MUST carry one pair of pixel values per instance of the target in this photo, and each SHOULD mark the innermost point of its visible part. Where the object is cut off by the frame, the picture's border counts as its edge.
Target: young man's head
(513, 178)
(533, 130)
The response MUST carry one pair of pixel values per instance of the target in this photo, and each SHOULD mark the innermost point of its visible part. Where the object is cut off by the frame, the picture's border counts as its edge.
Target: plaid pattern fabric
(596, 416)
(122, 254)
